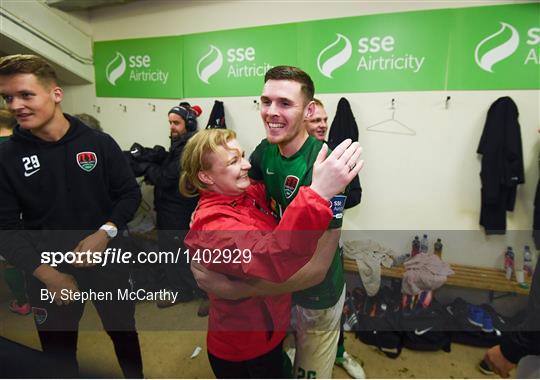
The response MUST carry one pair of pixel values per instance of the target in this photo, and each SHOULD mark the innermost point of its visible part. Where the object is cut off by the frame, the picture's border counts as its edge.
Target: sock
(15, 280)
(287, 366)
(339, 355)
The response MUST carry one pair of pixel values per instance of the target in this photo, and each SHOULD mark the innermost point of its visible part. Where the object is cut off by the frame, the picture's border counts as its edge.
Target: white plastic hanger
(402, 128)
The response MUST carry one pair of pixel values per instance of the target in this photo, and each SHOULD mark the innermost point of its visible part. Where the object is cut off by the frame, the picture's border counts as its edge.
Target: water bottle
(415, 246)
(508, 263)
(437, 248)
(527, 262)
(424, 244)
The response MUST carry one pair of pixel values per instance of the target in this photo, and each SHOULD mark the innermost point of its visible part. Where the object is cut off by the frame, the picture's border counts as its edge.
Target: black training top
(74, 184)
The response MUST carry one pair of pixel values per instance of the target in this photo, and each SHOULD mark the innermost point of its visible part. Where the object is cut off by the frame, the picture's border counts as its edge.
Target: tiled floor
(169, 336)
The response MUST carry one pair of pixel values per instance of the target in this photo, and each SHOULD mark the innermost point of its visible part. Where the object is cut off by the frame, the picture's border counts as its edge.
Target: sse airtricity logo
(209, 64)
(488, 59)
(116, 68)
(327, 65)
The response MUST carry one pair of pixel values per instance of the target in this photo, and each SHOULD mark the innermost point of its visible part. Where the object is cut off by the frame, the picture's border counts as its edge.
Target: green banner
(233, 62)
(495, 48)
(389, 52)
(139, 68)
(479, 48)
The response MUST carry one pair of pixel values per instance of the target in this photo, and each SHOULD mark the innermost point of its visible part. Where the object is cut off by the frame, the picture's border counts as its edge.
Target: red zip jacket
(248, 328)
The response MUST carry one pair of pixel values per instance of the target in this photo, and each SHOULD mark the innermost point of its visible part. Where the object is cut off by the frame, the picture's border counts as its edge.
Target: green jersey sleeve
(337, 205)
(256, 172)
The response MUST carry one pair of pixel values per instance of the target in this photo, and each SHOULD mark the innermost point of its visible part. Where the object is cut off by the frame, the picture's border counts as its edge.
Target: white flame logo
(116, 68)
(498, 53)
(213, 67)
(337, 60)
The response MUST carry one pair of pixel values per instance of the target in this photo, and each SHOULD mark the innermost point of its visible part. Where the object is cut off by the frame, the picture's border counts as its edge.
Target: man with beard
(173, 209)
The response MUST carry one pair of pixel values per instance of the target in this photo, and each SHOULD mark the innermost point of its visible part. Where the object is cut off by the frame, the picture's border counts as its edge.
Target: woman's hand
(333, 174)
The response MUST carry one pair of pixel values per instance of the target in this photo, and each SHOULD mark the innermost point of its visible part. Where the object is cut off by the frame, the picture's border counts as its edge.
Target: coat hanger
(403, 129)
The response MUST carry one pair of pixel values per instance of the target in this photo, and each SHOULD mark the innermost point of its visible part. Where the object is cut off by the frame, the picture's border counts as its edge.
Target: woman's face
(229, 170)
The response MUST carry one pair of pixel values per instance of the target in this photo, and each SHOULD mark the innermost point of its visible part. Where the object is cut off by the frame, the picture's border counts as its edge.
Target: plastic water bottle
(527, 262)
(424, 244)
(415, 246)
(508, 263)
(437, 248)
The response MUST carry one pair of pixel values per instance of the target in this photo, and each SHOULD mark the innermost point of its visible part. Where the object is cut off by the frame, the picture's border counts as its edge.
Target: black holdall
(465, 332)
(378, 323)
(384, 325)
(382, 332)
(425, 329)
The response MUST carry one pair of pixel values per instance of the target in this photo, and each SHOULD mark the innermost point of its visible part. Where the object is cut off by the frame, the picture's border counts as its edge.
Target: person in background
(90, 121)
(174, 209)
(14, 277)
(521, 347)
(317, 126)
(75, 191)
(245, 336)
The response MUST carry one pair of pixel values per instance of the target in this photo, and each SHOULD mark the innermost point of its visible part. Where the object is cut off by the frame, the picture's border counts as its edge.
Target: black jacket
(75, 184)
(344, 127)
(173, 209)
(526, 341)
(217, 116)
(502, 164)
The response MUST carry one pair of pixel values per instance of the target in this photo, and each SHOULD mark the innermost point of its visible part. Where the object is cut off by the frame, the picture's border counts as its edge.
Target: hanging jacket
(502, 164)
(172, 208)
(344, 127)
(217, 116)
(73, 186)
(247, 328)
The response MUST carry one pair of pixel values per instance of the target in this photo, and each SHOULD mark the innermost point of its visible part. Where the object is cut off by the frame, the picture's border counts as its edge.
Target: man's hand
(497, 362)
(219, 284)
(55, 281)
(95, 244)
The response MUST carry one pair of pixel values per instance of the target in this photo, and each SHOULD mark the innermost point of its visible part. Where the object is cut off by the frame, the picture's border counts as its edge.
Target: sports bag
(425, 329)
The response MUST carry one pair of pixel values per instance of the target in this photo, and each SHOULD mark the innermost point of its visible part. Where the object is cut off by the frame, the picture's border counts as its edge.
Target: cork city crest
(87, 161)
(290, 185)
(40, 315)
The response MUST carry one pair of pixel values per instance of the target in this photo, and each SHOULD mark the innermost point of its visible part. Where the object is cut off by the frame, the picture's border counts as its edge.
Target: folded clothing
(424, 271)
(369, 257)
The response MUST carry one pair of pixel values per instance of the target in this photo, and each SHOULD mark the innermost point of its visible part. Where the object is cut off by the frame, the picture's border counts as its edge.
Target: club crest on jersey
(290, 185)
(87, 161)
(40, 315)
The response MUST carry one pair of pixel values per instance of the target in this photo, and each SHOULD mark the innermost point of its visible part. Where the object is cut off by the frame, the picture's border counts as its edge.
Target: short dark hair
(90, 121)
(318, 102)
(294, 74)
(28, 64)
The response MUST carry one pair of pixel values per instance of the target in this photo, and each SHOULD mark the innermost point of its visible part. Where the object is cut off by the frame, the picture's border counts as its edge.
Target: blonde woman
(234, 233)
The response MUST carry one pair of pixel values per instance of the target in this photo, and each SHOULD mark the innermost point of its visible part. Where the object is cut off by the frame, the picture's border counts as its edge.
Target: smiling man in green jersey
(284, 161)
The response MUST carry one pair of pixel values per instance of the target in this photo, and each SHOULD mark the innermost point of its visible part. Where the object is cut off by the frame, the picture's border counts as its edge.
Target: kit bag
(425, 329)
(378, 323)
(465, 332)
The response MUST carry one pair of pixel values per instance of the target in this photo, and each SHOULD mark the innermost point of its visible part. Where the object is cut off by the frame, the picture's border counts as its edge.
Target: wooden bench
(490, 279)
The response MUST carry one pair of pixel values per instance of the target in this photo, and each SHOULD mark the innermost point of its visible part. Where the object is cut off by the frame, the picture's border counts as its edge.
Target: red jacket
(248, 328)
